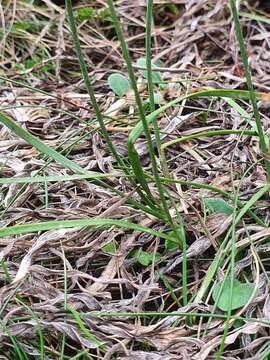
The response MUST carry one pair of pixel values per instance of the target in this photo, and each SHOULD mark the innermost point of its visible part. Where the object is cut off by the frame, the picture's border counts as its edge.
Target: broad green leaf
(158, 99)
(119, 84)
(145, 258)
(215, 263)
(141, 63)
(241, 294)
(110, 248)
(218, 206)
(171, 245)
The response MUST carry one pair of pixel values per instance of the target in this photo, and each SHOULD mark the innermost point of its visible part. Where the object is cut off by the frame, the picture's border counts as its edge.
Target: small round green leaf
(119, 84)
(241, 294)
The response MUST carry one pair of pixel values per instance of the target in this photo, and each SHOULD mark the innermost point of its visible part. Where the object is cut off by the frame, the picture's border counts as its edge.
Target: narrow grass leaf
(240, 94)
(253, 16)
(253, 99)
(88, 84)
(144, 123)
(39, 145)
(29, 228)
(139, 173)
(248, 205)
(84, 330)
(56, 178)
(171, 245)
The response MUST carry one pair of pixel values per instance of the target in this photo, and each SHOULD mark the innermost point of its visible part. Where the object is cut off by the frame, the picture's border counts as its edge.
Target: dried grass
(199, 43)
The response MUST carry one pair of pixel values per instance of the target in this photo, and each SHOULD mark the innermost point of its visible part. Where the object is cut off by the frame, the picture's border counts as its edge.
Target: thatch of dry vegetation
(135, 167)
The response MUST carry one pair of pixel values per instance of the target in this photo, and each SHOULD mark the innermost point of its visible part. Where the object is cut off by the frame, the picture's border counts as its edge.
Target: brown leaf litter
(195, 40)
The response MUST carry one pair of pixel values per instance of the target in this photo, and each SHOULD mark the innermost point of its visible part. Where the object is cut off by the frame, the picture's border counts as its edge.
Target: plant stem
(132, 150)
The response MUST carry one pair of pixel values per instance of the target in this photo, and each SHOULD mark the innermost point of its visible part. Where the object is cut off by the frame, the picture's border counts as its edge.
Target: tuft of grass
(253, 98)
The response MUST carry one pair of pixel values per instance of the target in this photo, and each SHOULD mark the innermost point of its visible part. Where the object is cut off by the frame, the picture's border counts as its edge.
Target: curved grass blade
(253, 99)
(39, 145)
(225, 247)
(95, 105)
(30, 228)
(84, 330)
(140, 175)
(196, 136)
(88, 83)
(238, 94)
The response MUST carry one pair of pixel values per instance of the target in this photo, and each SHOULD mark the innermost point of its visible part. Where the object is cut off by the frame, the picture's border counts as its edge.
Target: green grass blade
(240, 111)
(144, 123)
(20, 354)
(91, 93)
(133, 82)
(255, 17)
(248, 205)
(5, 271)
(39, 327)
(220, 253)
(63, 336)
(140, 175)
(253, 99)
(197, 136)
(29, 228)
(39, 145)
(43, 148)
(148, 53)
(88, 83)
(84, 330)
(56, 178)
(238, 94)
(170, 289)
